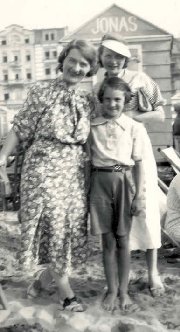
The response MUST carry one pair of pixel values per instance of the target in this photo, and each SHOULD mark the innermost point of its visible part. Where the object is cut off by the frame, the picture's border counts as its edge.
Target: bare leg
(123, 255)
(155, 283)
(41, 280)
(110, 270)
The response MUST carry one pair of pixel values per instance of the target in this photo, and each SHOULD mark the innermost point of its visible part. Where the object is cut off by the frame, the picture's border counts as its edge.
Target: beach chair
(3, 300)
(162, 185)
(10, 181)
(172, 156)
(5, 191)
(5, 187)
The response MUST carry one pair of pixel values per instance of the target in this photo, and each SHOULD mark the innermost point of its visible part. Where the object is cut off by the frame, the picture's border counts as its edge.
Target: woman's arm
(9, 145)
(153, 116)
(153, 93)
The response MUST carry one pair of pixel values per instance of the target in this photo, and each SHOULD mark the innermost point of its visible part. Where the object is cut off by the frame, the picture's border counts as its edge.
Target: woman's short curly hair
(115, 83)
(87, 50)
(112, 36)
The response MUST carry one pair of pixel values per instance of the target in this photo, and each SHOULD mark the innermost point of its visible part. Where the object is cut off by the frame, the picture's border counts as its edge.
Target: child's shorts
(111, 199)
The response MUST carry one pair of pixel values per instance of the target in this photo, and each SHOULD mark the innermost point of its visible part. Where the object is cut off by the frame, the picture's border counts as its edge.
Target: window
(54, 54)
(28, 57)
(46, 36)
(26, 40)
(29, 76)
(6, 96)
(52, 36)
(47, 54)
(16, 77)
(47, 71)
(15, 58)
(5, 77)
(5, 58)
(4, 42)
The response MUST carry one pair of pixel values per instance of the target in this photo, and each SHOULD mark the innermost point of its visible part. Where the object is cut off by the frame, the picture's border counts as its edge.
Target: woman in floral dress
(146, 231)
(56, 120)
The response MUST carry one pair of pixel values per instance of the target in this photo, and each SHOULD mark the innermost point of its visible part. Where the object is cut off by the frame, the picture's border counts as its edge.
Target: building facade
(151, 45)
(30, 55)
(25, 57)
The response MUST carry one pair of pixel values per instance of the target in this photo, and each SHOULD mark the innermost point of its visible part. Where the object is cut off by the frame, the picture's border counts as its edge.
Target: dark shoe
(73, 304)
(173, 255)
(173, 260)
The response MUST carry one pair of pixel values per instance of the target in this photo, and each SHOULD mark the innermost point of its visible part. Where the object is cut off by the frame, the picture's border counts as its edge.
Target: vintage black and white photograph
(89, 166)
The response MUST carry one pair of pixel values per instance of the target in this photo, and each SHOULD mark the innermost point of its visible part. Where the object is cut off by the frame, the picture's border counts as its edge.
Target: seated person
(172, 222)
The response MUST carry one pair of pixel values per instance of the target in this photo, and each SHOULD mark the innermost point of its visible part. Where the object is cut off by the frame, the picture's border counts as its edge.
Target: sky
(37, 14)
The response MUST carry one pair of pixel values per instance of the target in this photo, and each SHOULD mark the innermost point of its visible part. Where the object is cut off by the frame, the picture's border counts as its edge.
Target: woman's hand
(156, 116)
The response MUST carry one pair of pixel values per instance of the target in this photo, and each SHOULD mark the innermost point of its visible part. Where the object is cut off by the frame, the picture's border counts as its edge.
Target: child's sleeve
(138, 132)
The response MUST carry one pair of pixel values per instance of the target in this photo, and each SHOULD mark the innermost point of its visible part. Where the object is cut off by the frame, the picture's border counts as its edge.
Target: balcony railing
(16, 82)
(15, 64)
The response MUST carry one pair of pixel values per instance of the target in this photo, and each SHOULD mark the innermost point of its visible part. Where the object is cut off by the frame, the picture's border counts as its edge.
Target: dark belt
(114, 168)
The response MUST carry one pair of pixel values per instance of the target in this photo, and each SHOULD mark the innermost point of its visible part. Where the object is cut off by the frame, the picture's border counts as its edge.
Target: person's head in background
(114, 93)
(77, 60)
(114, 54)
(177, 109)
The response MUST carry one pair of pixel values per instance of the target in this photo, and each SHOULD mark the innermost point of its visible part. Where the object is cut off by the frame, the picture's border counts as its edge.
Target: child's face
(113, 103)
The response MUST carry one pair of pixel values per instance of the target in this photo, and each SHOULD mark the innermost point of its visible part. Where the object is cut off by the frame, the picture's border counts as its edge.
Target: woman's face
(113, 102)
(75, 67)
(112, 61)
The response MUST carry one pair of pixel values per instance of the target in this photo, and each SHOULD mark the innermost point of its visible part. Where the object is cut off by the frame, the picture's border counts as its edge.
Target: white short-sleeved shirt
(115, 141)
(172, 223)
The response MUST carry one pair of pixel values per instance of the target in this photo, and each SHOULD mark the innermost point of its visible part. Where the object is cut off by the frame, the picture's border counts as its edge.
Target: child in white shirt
(116, 185)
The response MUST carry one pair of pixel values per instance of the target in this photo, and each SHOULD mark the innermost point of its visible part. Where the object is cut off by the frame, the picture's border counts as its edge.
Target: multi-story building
(25, 57)
(46, 51)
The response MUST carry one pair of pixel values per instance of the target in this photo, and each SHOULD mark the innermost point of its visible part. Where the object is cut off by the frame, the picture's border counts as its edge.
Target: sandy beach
(44, 313)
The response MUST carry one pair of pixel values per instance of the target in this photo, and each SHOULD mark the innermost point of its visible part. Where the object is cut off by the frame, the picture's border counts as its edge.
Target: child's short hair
(115, 83)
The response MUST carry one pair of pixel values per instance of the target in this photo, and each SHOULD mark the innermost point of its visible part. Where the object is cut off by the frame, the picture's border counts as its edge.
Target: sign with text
(116, 19)
(115, 23)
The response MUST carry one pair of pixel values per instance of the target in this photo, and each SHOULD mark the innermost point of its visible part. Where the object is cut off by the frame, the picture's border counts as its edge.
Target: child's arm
(139, 199)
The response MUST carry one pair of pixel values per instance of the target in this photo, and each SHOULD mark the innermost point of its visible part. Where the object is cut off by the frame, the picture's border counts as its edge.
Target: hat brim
(117, 47)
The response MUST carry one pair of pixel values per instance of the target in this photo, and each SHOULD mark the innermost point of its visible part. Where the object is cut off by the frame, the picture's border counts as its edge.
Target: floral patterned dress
(53, 209)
